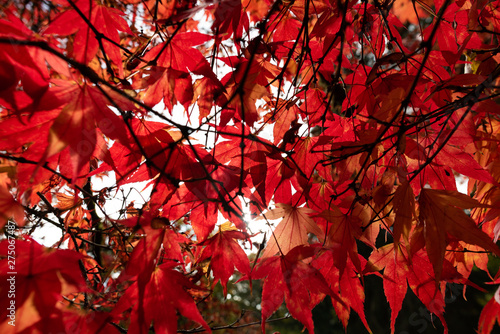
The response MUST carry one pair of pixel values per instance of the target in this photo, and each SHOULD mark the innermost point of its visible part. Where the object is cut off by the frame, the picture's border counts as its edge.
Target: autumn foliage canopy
(176, 147)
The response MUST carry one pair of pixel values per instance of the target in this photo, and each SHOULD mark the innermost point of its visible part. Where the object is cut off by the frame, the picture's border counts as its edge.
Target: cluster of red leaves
(352, 119)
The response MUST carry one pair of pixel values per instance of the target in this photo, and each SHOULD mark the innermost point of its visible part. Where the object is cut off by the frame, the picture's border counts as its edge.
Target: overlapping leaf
(288, 277)
(324, 109)
(166, 287)
(41, 277)
(107, 21)
(441, 212)
(85, 110)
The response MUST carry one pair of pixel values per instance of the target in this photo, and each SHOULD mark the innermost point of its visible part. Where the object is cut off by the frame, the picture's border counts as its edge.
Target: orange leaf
(292, 230)
(405, 11)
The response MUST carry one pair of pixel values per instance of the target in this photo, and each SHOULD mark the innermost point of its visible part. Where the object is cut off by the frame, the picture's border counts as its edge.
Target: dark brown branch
(232, 326)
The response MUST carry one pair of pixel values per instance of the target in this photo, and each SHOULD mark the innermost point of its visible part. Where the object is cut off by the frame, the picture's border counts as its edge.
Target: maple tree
(272, 143)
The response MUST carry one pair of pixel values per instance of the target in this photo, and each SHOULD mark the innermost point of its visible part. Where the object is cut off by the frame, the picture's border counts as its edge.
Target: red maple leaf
(107, 22)
(346, 286)
(84, 111)
(298, 283)
(490, 315)
(354, 132)
(441, 212)
(41, 277)
(166, 287)
(225, 254)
